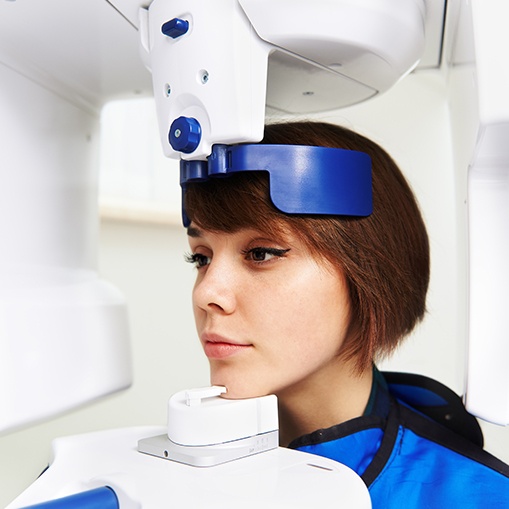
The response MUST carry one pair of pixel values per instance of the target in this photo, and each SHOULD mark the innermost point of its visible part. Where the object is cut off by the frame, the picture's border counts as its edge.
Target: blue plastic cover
(303, 179)
(99, 498)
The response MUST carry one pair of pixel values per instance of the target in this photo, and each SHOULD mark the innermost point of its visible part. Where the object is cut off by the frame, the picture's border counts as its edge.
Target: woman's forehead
(280, 233)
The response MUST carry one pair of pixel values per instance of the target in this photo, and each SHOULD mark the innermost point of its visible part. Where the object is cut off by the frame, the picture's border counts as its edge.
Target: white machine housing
(276, 479)
(237, 56)
(64, 334)
(211, 431)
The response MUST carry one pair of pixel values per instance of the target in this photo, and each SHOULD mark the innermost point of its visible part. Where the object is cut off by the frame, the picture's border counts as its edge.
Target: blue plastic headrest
(302, 179)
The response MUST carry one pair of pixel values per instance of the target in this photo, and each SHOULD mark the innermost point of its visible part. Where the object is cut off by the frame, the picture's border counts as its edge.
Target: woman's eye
(197, 259)
(264, 254)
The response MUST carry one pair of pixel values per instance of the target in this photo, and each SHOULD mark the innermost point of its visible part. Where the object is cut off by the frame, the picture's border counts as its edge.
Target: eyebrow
(194, 232)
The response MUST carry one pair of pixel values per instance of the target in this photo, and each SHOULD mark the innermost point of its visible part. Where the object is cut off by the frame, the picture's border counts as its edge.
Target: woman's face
(271, 317)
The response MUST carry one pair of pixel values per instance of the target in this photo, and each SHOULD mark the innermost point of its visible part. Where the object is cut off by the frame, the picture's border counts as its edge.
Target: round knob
(185, 134)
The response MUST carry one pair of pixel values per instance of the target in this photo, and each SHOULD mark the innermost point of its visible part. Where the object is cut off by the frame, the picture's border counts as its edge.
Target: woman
(302, 305)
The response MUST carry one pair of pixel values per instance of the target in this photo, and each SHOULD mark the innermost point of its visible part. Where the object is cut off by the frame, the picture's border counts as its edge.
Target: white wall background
(141, 249)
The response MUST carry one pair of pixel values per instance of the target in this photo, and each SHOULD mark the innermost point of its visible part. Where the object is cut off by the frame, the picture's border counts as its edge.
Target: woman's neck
(324, 399)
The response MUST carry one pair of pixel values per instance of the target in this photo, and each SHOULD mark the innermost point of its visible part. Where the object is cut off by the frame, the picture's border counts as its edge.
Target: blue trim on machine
(103, 498)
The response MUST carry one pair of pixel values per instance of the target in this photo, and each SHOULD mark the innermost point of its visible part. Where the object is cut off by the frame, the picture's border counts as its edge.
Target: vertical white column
(488, 212)
(488, 376)
(63, 331)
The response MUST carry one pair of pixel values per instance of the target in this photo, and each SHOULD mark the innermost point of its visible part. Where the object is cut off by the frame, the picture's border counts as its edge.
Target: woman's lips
(216, 347)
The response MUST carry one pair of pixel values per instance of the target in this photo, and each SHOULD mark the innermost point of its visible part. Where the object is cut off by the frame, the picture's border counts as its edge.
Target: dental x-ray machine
(216, 65)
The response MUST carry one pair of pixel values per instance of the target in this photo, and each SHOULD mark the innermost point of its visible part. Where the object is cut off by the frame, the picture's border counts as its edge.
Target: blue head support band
(302, 179)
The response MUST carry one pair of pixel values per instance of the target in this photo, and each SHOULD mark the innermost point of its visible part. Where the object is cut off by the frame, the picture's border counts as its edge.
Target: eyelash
(278, 253)
(195, 259)
(198, 259)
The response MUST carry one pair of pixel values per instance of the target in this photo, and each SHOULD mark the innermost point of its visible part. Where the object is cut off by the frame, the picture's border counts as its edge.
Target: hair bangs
(229, 204)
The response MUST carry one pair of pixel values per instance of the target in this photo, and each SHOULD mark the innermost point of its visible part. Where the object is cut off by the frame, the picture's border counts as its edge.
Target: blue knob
(174, 28)
(185, 134)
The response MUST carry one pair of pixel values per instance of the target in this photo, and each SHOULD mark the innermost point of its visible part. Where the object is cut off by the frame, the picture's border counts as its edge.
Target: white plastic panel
(83, 50)
(276, 479)
(215, 73)
(64, 339)
(434, 20)
(488, 373)
(372, 41)
(299, 86)
(480, 120)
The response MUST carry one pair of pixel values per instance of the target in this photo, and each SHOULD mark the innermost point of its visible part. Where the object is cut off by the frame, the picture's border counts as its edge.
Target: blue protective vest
(415, 447)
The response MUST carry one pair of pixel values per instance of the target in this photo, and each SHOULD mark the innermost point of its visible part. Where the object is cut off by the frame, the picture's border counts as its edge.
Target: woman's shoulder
(428, 440)
(432, 466)
(434, 419)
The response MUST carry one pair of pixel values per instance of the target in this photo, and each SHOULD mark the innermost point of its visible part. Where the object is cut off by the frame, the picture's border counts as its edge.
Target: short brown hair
(384, 257)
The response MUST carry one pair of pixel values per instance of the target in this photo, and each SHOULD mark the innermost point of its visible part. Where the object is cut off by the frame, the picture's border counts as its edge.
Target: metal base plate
(210, 455)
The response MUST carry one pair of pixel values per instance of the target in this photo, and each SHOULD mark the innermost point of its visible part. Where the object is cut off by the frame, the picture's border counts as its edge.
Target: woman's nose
(215, 290)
